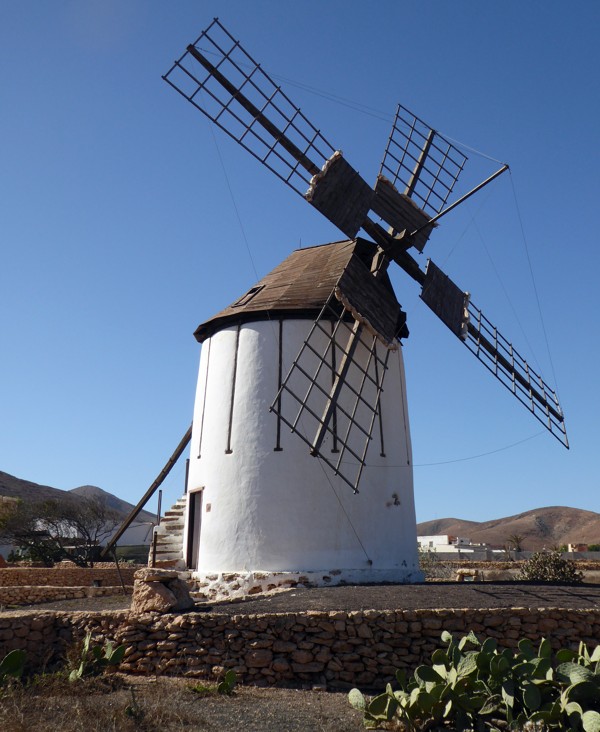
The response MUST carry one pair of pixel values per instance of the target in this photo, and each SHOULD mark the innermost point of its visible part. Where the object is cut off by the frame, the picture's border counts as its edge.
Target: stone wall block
(258, 658)
(493, 621)
(364, 631)
(260, 643)
(311, 667)
(323, 656)
(302, 656)
(327, 641)
(432, 623)
(281, 646)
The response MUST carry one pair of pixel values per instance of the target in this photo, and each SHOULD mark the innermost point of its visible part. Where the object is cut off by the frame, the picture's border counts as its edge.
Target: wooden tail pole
(185, 440)
(492, 177)
(119, 570)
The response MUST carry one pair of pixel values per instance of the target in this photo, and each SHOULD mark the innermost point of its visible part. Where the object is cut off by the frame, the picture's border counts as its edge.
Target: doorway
(194, 522)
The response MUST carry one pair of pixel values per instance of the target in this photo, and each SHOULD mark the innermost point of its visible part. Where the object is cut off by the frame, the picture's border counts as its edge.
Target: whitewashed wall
(266, 510)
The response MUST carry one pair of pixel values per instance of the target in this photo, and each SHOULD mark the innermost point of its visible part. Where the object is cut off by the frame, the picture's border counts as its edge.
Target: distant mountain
(112, 501)
(539, 528)
(26, 490)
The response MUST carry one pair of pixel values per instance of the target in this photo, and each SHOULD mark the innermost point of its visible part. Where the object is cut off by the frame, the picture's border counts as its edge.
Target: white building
(443, 542)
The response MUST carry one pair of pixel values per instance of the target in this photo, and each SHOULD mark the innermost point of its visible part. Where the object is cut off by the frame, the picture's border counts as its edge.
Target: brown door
(194, 522)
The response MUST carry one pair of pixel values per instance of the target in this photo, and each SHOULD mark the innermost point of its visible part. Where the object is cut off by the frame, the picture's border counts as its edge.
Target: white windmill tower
(313, 347)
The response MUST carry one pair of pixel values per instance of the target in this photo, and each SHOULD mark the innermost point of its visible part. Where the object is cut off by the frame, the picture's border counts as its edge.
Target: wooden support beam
(338, 384)
(150, 492)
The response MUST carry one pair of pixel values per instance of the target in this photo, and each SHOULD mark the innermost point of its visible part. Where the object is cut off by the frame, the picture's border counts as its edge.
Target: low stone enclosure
(30, 585)
(32, 595)
(337, 649)
(66, 576)
(277, 639)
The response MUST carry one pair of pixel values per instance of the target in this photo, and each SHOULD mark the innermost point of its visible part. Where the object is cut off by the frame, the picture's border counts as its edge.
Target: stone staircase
(169, 537)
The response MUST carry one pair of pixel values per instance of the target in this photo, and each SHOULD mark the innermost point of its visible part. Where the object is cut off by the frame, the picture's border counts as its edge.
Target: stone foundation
(229, 585)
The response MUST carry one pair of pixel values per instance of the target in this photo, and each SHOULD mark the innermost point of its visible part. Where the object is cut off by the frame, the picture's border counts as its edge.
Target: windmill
(312, 349)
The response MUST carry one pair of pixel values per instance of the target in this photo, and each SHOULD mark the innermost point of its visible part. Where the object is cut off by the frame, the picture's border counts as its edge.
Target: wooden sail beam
(255, 112)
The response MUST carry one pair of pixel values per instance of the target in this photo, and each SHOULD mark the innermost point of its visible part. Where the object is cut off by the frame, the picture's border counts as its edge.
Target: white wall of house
(137, 534)
(433, 541)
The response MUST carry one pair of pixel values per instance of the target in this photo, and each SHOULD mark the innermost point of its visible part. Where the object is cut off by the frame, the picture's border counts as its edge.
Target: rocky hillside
(539, 528)
(26, 490)
(117, 504)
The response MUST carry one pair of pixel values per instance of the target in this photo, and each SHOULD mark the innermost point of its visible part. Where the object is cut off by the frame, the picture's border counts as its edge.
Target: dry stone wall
(65, 576)
(33, 595)
(336, 649)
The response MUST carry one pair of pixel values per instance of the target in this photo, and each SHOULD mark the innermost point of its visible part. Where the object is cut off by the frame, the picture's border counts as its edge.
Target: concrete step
(169, 539)
(177, 532)
(170, 526)
(169, 534)
(169, 547)
(168, 555)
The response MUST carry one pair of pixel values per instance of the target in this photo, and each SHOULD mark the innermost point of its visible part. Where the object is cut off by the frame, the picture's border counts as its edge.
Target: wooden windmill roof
(302, 284)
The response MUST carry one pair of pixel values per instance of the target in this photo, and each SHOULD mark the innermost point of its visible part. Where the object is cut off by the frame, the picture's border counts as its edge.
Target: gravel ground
(412, 597)
(377, 597)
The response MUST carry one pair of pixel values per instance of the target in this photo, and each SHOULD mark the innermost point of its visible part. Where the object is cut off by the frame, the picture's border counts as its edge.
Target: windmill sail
(467, 322)
(421, 161)
(418, 159)
(331, 395)
(238, 96)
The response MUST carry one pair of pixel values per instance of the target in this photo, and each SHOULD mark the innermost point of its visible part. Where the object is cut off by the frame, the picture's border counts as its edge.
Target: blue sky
(124, 223)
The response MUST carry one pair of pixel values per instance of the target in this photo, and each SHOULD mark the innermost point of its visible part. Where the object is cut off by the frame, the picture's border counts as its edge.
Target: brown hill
(539, 528)
(14, 487)
(112, 501)
(25, 489)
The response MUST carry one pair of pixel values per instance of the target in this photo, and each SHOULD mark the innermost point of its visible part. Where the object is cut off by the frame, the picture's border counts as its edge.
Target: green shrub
(94, 660)
(224, 687)
(473, 686)
(12, 665)
(550, 567)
